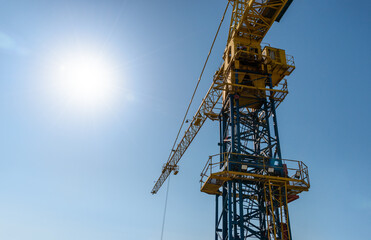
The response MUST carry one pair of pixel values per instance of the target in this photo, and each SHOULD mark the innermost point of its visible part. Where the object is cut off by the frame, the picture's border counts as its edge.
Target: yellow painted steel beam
(221, 86)
(230, 175)
(253, 18)
(221, 177)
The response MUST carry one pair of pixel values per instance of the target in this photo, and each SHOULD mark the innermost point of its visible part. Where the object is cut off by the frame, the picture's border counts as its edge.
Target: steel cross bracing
(252, 178)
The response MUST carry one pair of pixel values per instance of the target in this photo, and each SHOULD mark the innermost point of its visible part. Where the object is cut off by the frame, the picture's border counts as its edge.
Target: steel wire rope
(199, 80)
(163, 218)
(185, 116)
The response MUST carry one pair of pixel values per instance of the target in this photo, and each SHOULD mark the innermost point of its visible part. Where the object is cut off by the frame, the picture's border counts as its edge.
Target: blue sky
(67, 175)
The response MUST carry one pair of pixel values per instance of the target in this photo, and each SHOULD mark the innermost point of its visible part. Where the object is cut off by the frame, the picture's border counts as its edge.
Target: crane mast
(251, 181)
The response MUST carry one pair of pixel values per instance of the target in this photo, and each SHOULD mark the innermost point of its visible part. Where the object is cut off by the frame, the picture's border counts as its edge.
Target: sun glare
(83, 83)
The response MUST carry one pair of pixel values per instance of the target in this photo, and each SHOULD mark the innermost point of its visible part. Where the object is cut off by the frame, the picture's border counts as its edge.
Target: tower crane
(251, 181)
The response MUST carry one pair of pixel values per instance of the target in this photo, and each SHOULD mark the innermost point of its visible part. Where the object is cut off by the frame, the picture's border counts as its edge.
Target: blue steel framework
(248, 136)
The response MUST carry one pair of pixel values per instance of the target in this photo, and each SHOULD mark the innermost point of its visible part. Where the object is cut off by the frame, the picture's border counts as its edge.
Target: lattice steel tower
(252, 183)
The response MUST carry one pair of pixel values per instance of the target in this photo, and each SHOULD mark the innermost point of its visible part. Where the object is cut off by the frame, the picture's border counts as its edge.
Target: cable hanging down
(164, 217)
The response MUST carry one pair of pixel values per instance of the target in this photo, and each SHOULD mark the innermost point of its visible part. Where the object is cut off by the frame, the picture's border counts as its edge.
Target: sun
(83, 82)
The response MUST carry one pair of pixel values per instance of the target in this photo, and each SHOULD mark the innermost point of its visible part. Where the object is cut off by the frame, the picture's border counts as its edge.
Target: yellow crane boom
(204, 111)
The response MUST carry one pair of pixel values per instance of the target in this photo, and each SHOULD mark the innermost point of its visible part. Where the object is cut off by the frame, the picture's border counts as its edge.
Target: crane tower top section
(250, 22)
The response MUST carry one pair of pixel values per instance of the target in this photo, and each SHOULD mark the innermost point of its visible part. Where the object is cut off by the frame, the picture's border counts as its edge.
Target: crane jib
(206, 107)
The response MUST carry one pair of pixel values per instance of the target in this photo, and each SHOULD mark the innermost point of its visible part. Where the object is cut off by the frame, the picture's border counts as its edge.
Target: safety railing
(279, 96)
(257, 166)
(290, 60)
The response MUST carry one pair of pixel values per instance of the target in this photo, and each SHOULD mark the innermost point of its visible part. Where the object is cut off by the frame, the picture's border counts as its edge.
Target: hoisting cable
(163, 219)
(185, 116)
(199, 79)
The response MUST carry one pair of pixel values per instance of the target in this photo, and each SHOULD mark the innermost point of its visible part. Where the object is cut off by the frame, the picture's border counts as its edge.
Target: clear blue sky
(68, 175)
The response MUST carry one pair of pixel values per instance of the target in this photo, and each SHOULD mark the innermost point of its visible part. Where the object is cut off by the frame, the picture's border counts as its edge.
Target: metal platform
(292, 174)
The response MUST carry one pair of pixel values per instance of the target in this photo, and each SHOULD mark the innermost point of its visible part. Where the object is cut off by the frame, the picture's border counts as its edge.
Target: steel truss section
(253, 18)
(251, 209)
